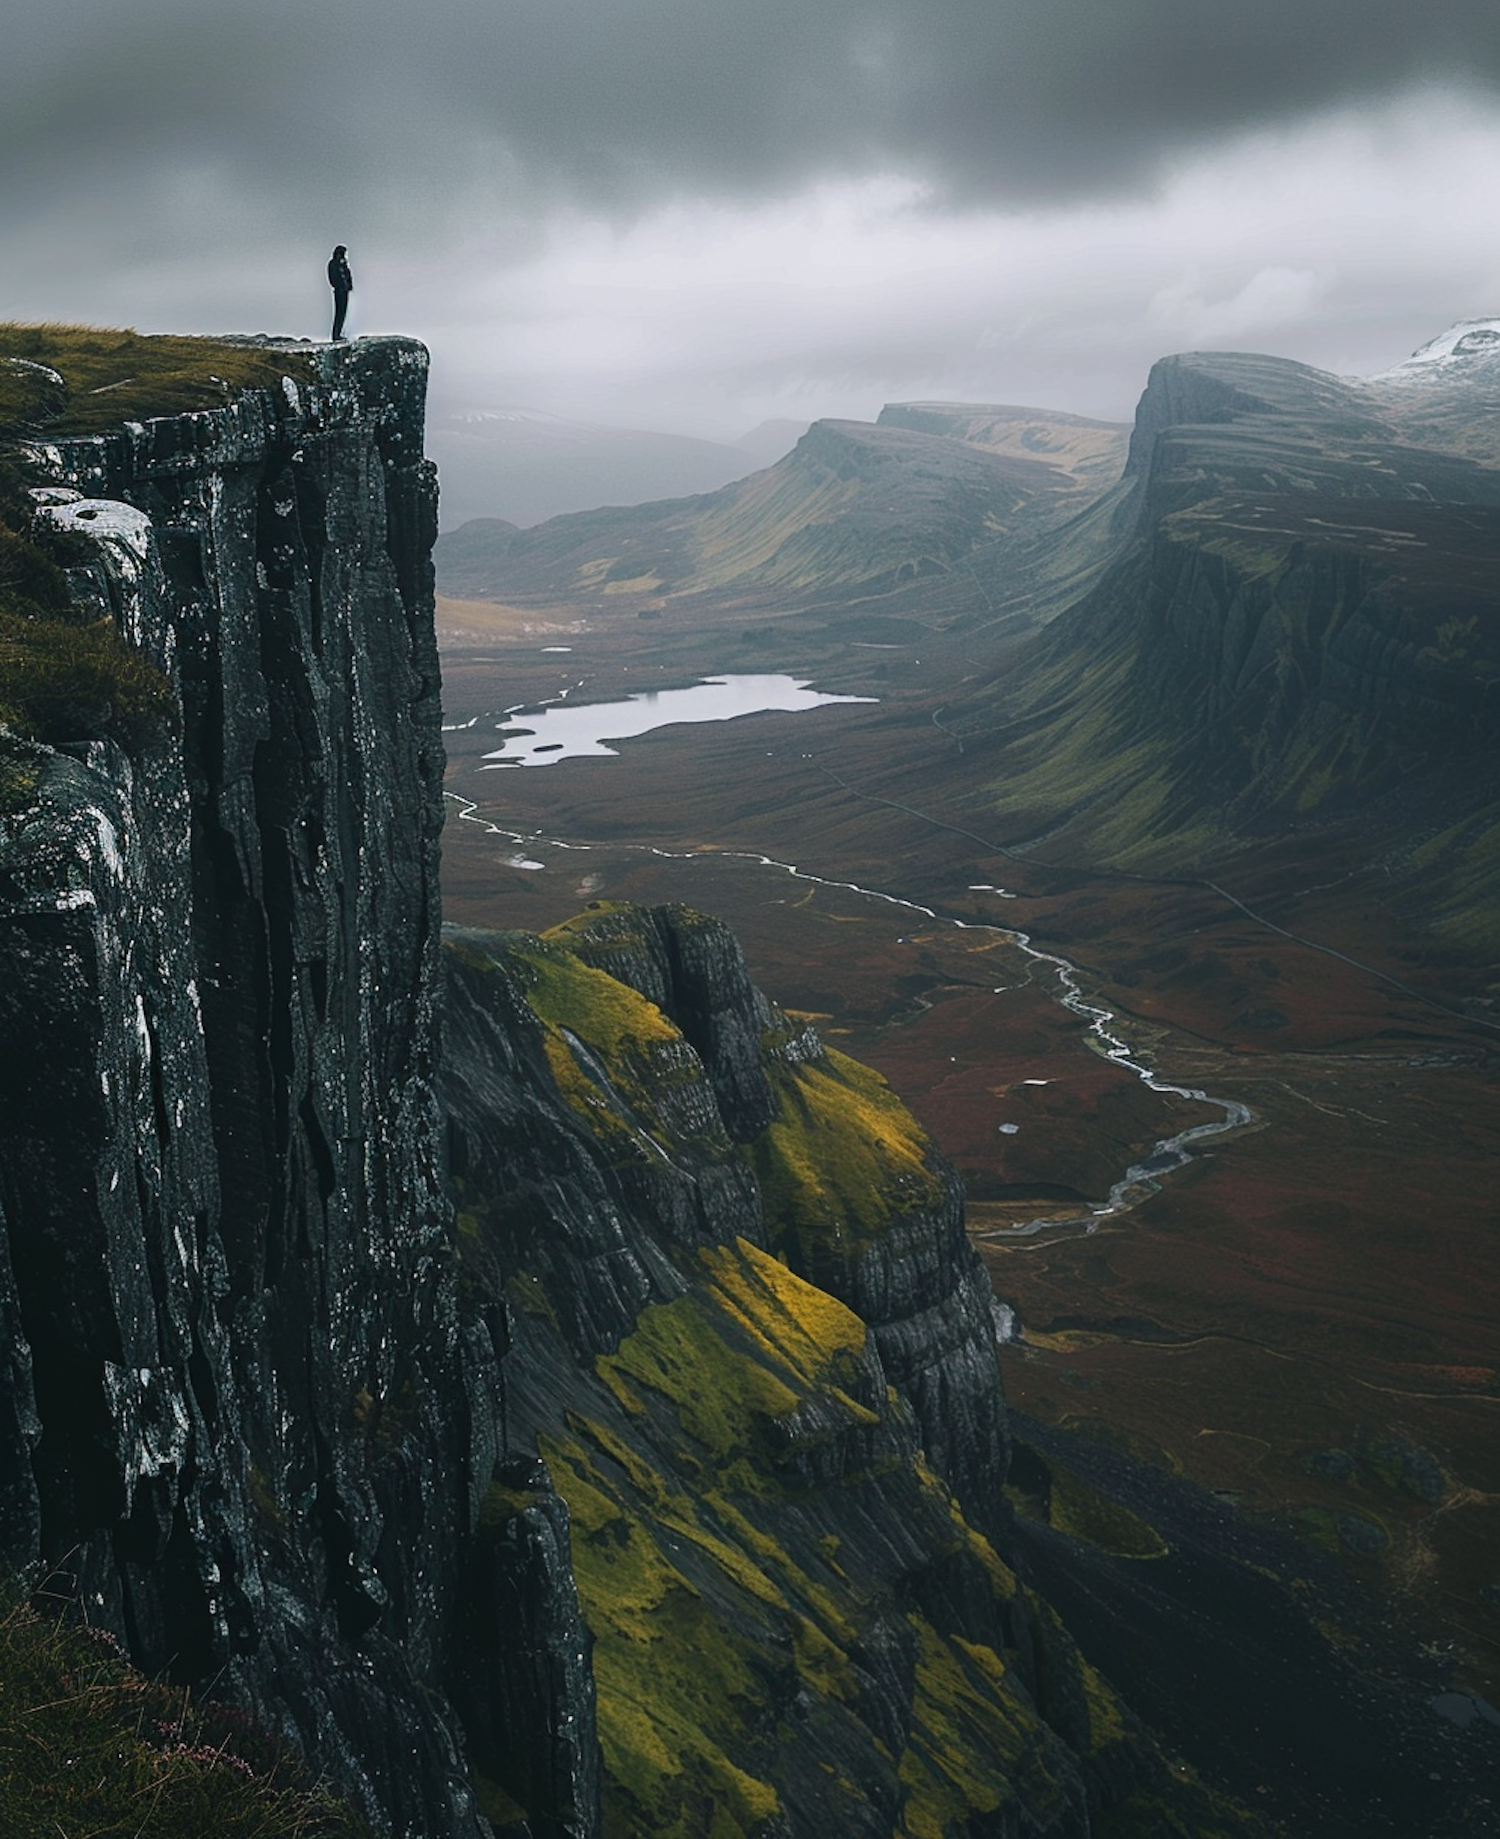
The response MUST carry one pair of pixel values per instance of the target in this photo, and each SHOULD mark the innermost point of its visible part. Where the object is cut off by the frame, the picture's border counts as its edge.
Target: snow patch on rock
(1462, 348)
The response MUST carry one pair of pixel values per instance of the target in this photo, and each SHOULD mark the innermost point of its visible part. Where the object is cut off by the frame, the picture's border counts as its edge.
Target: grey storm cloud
(616, 104)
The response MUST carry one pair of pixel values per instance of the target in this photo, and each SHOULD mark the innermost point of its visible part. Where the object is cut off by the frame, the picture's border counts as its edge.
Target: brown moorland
(1303, 1318)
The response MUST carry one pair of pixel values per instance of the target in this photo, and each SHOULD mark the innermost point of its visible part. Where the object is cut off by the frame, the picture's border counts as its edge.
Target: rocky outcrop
(253, 1444)
(886, 1238)
(779, 1502)
(692, 968)
(1201, 390)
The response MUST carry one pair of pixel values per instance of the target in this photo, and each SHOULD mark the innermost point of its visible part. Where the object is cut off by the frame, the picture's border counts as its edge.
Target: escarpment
(1297, 629)
(1311, 594)
(538, 1379)
(249, 1434)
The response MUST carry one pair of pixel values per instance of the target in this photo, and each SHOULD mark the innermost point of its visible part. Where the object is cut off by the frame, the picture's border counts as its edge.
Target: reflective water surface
(567, 731)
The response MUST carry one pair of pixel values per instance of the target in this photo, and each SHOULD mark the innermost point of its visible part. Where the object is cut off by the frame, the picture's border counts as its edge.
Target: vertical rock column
(255, 1437)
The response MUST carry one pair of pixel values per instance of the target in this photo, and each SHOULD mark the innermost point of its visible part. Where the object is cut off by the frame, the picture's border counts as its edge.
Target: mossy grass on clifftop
(843, 1154)
(89, 1746)
(65, 682)
(64, 677)
(61, 380)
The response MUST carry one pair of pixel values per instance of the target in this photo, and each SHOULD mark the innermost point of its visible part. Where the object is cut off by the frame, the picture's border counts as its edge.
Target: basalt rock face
(252, 1420)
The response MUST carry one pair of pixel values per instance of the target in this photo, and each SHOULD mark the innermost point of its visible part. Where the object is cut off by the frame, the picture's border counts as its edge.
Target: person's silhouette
(342, 283)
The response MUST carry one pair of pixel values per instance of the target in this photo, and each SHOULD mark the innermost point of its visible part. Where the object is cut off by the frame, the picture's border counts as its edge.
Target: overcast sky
(695, 214)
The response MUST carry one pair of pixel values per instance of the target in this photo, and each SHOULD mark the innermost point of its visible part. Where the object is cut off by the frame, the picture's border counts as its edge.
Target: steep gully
(1140, 1180)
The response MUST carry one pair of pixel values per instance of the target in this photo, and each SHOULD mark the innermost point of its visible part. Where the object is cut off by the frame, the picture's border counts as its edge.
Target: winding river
(1140, 1180)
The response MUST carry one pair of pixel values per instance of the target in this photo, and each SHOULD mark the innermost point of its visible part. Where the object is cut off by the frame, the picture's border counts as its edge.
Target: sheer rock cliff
(223, 1184)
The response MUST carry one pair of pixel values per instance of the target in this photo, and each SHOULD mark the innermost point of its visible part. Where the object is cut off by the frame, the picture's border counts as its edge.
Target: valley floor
(1304, 1320)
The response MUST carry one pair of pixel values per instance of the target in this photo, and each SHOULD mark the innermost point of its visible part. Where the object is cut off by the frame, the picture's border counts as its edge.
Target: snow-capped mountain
(1469, 347)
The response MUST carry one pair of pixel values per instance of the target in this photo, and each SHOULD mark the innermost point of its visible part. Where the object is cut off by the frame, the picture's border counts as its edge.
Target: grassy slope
(110, 377)
(87, 1746)
(728, 1592)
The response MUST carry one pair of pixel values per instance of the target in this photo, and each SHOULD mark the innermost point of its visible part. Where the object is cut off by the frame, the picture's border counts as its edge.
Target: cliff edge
(225, 1215)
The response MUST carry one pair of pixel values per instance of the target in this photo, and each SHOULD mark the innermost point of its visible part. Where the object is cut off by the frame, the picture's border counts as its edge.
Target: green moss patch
(973, 1745)
(676, 1686)
(614, 1055)
(749, 1508)
(738, 1355)
(603, 1012)
(66, 682)
(719, 1587)
(843, 1155)
(20, 774)
(1341, 1534)
(1084, 1513)
(62, 678)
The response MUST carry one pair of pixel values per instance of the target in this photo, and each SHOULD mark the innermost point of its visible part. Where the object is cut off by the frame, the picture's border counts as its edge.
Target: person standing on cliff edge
(342, 283)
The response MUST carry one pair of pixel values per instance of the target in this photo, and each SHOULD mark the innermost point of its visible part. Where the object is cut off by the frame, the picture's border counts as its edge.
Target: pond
(569, 731)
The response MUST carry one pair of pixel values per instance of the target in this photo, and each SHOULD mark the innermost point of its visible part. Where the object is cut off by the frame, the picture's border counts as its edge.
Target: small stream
(1140, 1180)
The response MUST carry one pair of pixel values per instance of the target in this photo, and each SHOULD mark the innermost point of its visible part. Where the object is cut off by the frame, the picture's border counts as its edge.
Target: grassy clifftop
(63, 676)
(64, 380)
(66, 676)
